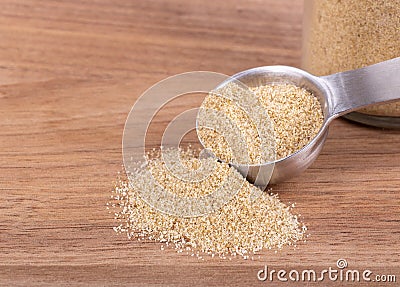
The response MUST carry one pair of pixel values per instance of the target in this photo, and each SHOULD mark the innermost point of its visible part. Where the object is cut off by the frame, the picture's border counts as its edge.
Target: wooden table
(70, 72)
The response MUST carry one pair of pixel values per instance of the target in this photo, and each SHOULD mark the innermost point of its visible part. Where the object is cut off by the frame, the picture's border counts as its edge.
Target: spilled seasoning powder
(241, 227)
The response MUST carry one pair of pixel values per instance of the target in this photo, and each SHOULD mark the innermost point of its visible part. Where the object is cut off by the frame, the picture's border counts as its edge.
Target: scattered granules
(291, 115)
(350, 34)
(242, 227)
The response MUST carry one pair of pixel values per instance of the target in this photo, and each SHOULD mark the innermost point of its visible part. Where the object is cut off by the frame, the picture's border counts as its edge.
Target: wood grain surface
(69, 73)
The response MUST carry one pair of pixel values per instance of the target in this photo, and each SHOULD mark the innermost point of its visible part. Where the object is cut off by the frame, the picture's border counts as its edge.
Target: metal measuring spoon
(338, 94)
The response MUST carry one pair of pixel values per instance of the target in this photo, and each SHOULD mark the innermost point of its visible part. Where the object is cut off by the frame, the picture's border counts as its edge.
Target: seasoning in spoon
(294, 118)
(296, 115)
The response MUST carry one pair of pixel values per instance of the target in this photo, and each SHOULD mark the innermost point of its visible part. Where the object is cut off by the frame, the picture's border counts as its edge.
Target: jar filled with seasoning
(342, 35)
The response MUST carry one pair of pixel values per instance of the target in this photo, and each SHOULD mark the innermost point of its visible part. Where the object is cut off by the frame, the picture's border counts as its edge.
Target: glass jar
(340, 35)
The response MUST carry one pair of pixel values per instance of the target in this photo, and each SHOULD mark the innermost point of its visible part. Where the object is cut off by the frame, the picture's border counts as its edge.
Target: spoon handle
(358, 88)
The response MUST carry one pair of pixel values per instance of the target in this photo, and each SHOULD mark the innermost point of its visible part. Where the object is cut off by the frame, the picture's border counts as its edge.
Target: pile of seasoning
(274, 121)
(242, 227)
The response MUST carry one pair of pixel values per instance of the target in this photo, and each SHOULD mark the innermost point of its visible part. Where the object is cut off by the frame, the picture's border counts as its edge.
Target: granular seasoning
(296, 115)
(235, 126)
(242, 227)
(294, 118)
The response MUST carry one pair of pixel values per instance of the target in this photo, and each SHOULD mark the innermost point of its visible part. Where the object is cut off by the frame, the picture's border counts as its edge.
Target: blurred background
(138, 40)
